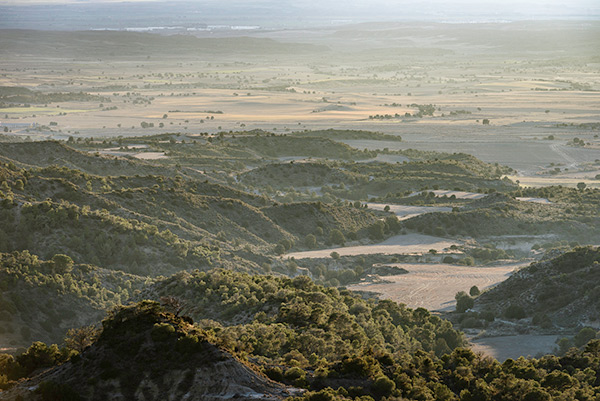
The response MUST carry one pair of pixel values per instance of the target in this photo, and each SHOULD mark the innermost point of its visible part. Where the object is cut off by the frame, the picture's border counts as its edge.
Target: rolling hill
(563, 291)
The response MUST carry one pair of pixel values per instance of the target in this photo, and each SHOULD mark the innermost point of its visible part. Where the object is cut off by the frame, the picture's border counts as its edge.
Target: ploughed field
(433, 286)
(399, 244)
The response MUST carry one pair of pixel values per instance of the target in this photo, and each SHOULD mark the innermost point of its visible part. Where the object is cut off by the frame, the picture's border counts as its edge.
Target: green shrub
(471, 323)
(162, 331)
(383, 386)
(336, 237)
(310, 241)
(294, 373)
(62, 263)
(279, 249)
(274, 373)
(542, 320)
(449, 259)
(514, 312)
(463, 302)
(188, 344)
(51, 391)
(558, 380)
(584, 336)
(488, 316)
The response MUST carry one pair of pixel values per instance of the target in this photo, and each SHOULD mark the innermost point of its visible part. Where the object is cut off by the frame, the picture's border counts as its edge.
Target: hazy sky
(581, 4)
(119, 14)
(341, 4)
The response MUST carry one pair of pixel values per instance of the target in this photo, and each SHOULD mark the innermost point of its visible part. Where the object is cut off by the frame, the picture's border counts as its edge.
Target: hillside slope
(297, 313)
(40, 300)
(499, 214)
(48, 153)
(563, 291)
(146, 354)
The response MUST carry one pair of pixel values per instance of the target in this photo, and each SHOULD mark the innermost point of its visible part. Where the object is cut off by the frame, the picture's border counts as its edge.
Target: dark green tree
(463, 302)
(336, 237)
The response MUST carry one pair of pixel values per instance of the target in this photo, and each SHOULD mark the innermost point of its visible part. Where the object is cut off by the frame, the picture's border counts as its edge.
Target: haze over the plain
(269, 14)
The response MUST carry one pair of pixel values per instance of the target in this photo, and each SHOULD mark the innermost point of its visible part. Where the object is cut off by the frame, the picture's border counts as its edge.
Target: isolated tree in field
(581, 186)
(486, 121)
(463, 302)
(474, 291)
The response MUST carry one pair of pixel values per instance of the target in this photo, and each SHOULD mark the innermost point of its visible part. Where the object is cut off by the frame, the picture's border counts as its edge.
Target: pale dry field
(507, 146)
(457, 194)
(514, 347)
(406, 212)
(537, 181)
(433, 286)
(150, 155)
(399, 244)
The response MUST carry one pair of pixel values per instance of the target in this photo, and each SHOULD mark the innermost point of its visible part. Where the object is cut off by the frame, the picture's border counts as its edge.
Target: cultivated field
(506, 347)
(433, 286)
(400, 244)
(406, 212)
